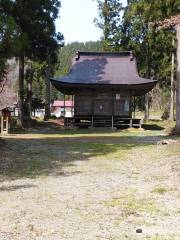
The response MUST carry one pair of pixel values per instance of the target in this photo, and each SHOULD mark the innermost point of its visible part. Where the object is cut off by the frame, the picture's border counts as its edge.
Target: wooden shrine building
(103, 85)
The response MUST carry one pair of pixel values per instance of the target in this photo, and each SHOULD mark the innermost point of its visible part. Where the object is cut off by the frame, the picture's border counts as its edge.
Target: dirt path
(90, 189)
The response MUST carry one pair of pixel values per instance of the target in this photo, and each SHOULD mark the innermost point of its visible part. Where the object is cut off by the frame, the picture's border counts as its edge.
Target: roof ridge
(100, 53)
(126, 53)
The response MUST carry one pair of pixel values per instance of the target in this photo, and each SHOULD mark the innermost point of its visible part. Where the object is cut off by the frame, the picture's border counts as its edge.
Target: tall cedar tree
(8, 35)
(109, 22)
(37, 38)
(153, 48)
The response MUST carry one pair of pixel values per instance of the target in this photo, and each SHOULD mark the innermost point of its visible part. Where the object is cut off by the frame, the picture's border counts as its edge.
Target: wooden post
(72, 99)
(171, 116)
(92, 121)
(177, 128)
(5, 120)
(134, 107)
(64, 105)
(112, 122)
(131, 123)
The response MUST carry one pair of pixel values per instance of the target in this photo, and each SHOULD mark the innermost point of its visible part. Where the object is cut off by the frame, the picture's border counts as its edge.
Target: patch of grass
(131, 205)
(163, 190)
(164, 237)
(160, 190)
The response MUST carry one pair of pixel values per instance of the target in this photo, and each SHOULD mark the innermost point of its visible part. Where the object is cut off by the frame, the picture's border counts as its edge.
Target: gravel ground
(96, 191)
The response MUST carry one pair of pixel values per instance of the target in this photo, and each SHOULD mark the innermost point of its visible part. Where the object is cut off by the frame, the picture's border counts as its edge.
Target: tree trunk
(177, 128)
(29, 99)
(146, 113)
(171, 115)
(21, 91)
(29, 94)
(47, 95)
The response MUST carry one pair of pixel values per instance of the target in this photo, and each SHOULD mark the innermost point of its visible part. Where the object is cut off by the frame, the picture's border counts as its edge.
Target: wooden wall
(103, 104)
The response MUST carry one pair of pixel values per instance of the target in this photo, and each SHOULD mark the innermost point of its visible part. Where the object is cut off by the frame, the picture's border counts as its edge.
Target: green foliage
(38, 84)
(139, 33)
(67, 53)
(109, 22)
(36, 27)
(8, 36)
(62, 68)
(29, 33)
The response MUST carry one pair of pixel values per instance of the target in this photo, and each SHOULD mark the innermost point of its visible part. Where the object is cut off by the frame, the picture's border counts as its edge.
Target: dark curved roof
(109, 70)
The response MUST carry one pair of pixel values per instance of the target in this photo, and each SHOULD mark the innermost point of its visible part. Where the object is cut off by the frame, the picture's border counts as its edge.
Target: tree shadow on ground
(30, 158)
(16, 187)
(152, 127)
(53, 127)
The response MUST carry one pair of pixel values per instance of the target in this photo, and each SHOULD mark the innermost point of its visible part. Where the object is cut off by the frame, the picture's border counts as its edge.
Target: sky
(76, 20)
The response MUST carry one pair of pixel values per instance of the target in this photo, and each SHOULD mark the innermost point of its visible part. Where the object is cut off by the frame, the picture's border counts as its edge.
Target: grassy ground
(89, 184)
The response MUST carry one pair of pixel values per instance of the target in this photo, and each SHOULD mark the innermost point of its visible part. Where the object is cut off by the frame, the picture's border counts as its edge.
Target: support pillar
(134, 98)
(131, 123)
(112, 122)
(92, 121)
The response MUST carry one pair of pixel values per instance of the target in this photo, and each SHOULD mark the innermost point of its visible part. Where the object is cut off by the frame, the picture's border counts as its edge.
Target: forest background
(133, 28)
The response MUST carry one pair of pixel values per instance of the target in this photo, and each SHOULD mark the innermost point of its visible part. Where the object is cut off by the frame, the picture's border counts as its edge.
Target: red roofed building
(62, 108)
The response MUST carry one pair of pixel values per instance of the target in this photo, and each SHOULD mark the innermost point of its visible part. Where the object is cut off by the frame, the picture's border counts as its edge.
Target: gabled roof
(102, 69)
